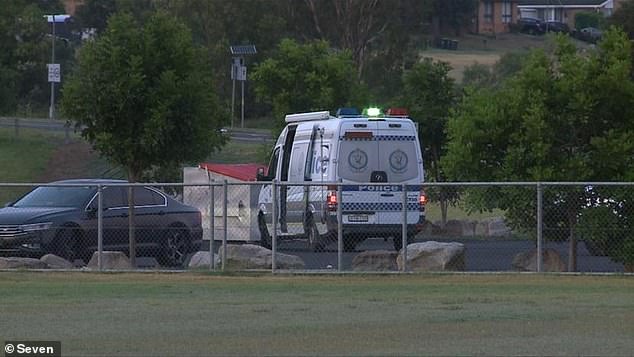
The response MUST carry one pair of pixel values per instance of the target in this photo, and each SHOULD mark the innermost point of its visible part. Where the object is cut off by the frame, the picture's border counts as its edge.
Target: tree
(141, 96)
(624, 17)
(24, 52)
(563, 117)
(429, 94)
(300, 78)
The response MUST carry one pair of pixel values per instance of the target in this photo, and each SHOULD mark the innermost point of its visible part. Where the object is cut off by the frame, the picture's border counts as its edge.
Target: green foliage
(301, 78)
(24, 52)
(624, 17)
(478, 75)
(589, 19)
(563, 117)
(142, 96)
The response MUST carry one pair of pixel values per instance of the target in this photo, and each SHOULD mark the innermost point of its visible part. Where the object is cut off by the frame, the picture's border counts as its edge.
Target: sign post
(239, 72)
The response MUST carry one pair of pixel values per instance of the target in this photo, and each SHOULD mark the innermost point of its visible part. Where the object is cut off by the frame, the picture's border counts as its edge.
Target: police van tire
(315, 241)
(398, 241)
(265, 236)
(350, 243)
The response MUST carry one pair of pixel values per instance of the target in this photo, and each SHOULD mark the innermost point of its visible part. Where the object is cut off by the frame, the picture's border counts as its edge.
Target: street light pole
(51, 109)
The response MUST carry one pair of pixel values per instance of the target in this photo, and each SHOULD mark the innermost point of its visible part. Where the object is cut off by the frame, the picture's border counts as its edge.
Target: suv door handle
(387, 195)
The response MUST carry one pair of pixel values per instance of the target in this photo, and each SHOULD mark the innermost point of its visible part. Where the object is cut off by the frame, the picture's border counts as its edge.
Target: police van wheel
(398, 241)
(350, 243)
(265, 237)
(315, 243)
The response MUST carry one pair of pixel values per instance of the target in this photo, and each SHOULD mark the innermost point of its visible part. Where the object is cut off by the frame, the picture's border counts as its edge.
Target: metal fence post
(99, 227)
(212, 227)
(224, 223)
(404, 228)
(539, 227)
(274, 220)
(339, 227)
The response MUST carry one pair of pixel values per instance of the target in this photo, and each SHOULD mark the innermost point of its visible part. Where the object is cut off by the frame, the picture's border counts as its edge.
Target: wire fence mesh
(326, 227)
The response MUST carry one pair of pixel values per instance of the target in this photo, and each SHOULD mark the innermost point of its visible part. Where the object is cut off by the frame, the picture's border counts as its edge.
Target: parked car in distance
(62, 218)
(531, 26)
(590, 34)
(556, 26)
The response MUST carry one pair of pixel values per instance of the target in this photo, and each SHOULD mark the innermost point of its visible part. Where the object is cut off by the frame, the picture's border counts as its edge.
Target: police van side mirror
(259, 176)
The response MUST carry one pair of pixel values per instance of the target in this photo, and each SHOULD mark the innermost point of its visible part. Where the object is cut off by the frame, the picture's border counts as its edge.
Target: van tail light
(331, 200)
(422, 201)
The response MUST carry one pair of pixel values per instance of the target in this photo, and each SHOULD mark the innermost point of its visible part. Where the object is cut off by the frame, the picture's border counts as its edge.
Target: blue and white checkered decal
(382, 138)
(380, 188)
(376, 206)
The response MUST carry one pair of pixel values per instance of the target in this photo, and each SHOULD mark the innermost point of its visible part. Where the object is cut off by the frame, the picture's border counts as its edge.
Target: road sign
(54, 72)
(241, 74)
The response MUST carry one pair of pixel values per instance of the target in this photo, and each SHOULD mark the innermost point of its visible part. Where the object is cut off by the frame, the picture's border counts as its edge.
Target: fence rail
(324, 227)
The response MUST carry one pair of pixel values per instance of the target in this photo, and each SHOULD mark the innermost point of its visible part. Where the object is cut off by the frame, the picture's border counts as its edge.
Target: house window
(506, 12)
(488, 11)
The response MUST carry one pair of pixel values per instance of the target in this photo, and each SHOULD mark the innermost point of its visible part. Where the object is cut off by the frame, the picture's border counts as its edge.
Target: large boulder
(202, 260)
(458, 228)
(52, 261)
(493, 227)
(433, 256)
(21, 263)
(375, 260)
(551, 261)
(110, 261)
(251, 256)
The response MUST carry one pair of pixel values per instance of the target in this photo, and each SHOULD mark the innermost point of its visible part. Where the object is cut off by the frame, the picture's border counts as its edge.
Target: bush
(589, 19)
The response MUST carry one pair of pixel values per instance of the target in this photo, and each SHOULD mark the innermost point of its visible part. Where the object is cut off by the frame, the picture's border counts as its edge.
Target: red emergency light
(397, 112)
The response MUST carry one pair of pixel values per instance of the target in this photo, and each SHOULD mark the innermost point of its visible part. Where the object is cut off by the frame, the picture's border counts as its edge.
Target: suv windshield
(56, 197)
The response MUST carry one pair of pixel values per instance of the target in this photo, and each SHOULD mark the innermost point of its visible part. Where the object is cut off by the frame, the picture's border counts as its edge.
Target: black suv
(531, 26)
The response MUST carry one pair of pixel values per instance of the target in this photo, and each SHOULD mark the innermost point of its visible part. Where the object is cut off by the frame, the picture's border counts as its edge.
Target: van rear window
(359, 158)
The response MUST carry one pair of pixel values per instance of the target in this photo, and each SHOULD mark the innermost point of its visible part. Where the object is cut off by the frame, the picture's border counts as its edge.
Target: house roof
(563, 3)
(243, 172)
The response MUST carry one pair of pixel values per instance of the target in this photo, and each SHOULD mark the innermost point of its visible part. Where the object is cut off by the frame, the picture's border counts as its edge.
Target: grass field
(197, 314)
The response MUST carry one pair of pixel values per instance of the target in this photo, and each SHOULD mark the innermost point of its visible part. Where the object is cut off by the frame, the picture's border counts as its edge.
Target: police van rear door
(399, 160)
(358, 159)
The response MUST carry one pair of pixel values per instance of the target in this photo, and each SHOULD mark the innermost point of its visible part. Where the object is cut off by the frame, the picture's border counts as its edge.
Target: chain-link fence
(325, 227)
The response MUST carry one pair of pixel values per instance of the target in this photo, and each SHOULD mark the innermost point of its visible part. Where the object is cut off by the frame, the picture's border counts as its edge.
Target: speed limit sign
(54, 72)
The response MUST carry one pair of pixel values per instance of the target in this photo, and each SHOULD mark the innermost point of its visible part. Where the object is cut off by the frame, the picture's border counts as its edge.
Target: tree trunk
(132, 177)
(572, 247)
(444, 204)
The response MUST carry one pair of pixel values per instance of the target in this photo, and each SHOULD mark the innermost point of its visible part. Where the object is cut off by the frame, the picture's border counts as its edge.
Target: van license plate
(357, 218)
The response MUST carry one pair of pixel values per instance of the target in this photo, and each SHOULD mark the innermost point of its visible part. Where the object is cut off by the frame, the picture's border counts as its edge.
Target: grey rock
(457, 228)
(21, 263)
(55, 262)
(110, 261)
(202, 260)
(375, 260)
(433, 256)
(551, 261)
(493, 227)
(251, 256)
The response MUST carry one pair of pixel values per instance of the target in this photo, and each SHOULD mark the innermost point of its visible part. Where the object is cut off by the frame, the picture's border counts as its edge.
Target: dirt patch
(461, 60)
(70, 160)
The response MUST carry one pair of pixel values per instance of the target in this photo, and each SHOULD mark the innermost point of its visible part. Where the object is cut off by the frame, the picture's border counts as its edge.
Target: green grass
(236, 152)
(23, 158)
(197, 314)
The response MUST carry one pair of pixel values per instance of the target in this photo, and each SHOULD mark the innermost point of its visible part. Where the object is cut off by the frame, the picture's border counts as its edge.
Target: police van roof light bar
(293, 118)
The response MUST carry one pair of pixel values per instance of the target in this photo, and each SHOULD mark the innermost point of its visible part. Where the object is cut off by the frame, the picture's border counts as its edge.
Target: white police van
(317, 148)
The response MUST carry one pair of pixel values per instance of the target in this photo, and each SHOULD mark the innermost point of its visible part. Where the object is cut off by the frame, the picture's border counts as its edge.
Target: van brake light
(331, 200)
(422, 200)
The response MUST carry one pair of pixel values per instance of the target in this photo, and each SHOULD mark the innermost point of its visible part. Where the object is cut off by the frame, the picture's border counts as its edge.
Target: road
(243, 135)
